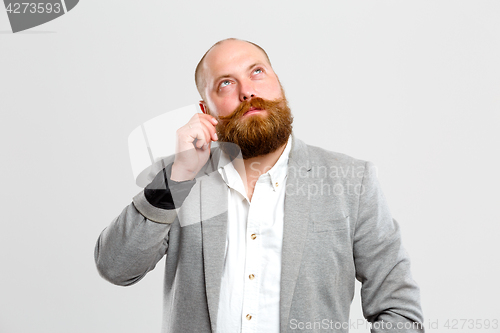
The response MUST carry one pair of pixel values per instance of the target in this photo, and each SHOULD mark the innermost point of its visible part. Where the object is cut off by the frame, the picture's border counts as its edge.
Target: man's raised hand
(192, 148)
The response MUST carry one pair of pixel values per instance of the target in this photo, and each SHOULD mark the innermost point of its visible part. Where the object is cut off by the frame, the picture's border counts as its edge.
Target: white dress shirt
(250, 287)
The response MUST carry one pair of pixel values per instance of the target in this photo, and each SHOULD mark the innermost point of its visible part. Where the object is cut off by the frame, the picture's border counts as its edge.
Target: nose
(247, 91)
(247, 96)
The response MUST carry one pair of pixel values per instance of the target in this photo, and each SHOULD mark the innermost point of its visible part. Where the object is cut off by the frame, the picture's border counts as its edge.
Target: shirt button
(253, 236)
(249, 316)
(251, 276)
(276, 184)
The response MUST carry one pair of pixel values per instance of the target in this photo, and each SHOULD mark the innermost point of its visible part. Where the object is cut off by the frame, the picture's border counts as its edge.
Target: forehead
(230, 57)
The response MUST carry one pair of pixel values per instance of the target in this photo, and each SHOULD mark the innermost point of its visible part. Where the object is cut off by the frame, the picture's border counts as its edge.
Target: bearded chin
(258, 134)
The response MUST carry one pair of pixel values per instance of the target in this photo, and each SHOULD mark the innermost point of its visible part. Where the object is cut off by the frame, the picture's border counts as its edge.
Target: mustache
(256, 102)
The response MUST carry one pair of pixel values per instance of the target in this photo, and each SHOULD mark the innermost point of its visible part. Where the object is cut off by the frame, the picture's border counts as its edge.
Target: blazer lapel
(295, 225)
(213, 213)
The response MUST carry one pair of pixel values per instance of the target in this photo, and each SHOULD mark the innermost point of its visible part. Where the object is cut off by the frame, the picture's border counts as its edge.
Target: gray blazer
(337, 227)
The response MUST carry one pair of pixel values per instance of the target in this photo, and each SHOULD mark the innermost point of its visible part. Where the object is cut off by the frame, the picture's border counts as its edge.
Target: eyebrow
(225, 76)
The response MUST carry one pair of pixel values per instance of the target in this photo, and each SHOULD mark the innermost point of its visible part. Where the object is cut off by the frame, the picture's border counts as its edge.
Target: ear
(202, 107)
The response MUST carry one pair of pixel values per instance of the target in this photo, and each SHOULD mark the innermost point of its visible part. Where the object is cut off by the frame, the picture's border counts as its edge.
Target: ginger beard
(256, 134)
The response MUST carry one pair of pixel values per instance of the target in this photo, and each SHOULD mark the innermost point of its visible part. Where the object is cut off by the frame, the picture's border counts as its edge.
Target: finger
(208, 117)
(208, 127)
(206, 124)
(197, 117)
(211, 129)
(199, 134)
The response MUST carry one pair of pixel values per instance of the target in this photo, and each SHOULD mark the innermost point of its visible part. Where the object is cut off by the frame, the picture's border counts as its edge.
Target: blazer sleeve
(390, 297)
(137, 239)
(130, 246)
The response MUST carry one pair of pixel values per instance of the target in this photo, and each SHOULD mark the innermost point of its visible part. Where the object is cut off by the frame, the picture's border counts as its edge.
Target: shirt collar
(276, 175)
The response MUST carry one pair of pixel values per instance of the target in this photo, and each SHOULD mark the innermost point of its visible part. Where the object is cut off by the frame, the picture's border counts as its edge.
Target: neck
(254, 167)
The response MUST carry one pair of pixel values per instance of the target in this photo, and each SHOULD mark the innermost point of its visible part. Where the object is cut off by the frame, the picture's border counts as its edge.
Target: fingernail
(216, 137)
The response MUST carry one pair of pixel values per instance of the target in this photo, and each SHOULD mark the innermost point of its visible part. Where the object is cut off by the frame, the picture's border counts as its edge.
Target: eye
(224, 83)
(257, 71)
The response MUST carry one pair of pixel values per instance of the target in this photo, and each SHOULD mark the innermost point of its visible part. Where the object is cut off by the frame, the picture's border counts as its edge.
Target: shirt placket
(253, 259)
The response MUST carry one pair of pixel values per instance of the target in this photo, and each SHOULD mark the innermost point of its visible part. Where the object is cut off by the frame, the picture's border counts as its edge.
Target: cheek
(274, 90)
(225, 107)
(229, 107)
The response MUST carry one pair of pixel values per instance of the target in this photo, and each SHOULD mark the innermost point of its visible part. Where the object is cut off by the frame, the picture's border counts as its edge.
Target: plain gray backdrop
(413, 86)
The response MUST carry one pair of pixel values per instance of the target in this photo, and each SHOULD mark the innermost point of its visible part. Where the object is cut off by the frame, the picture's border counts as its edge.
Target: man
(263, 233)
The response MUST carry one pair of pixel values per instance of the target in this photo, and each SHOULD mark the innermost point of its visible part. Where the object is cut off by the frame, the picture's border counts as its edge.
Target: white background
(413, 86)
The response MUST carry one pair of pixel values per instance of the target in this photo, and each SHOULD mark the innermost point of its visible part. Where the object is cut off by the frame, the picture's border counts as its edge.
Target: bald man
(262, 233)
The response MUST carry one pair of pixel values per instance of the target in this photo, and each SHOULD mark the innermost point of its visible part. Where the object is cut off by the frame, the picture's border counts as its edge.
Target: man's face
(244, 93)
(236, 71)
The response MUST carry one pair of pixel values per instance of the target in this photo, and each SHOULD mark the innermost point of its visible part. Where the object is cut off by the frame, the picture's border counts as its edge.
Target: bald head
(228, 44)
